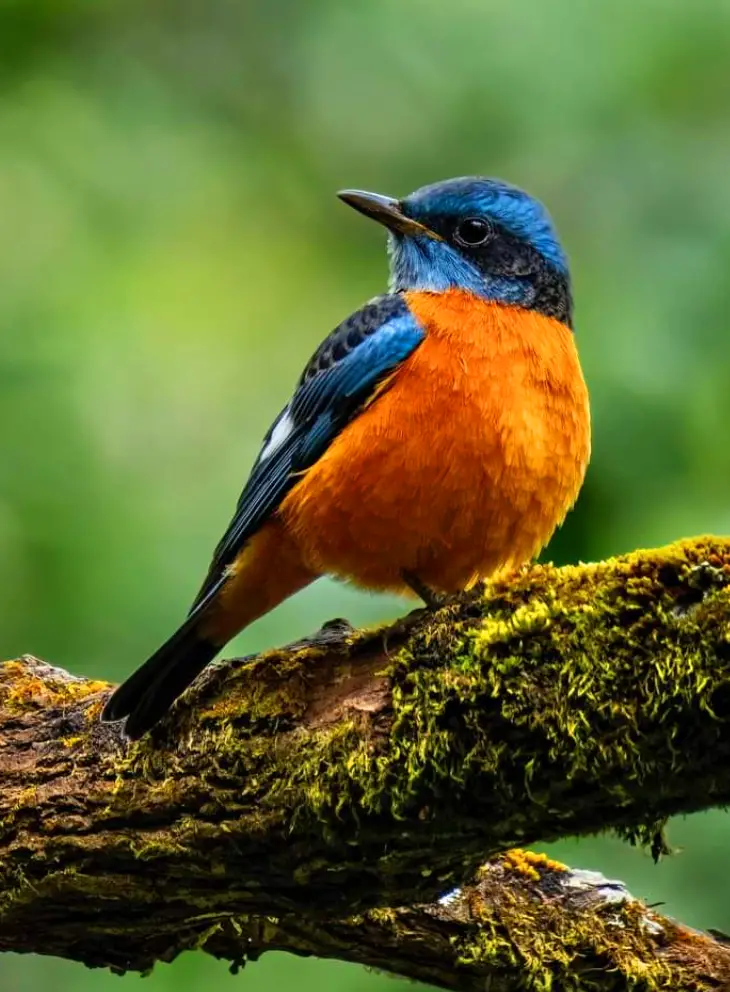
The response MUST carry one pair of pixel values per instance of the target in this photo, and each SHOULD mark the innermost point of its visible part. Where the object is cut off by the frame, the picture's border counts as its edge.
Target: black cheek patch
(505, 256)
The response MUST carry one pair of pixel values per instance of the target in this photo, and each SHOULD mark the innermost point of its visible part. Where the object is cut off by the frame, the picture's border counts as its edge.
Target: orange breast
(466, 462)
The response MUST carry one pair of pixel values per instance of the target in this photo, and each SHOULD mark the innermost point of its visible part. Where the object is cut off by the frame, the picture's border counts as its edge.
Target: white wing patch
(280, 432)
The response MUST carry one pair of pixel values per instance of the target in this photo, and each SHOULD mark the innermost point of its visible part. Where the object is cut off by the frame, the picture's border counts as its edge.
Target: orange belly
(466, 461)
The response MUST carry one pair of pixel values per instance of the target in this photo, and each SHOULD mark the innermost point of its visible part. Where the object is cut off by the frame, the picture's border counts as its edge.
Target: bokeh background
(171, 252)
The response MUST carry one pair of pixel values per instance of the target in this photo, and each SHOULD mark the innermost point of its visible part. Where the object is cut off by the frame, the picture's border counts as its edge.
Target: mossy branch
(525, 922)
(366, 769)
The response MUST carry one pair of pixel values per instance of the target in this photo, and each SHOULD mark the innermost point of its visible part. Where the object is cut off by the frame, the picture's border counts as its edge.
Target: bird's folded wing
(340, 378)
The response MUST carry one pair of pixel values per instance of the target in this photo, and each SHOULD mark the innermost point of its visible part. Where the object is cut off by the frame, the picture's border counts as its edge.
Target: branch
(366, 769)
(526, 922)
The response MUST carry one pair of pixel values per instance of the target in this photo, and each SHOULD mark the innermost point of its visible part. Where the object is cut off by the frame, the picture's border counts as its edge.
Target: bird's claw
(433, 600)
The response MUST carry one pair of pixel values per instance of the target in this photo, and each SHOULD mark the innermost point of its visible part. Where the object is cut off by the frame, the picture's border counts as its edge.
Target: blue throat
(428, 265)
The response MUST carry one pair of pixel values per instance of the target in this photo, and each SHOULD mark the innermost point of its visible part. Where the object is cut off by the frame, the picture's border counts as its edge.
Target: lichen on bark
(374, 768)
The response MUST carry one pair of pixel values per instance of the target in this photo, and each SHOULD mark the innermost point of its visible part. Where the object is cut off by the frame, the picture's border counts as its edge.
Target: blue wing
(336, 382)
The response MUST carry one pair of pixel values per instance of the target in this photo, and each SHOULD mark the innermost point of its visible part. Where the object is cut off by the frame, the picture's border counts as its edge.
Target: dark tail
(149, 692)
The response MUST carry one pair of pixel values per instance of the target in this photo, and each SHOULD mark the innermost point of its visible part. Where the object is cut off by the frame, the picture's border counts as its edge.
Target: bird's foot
(433, 600)
(332, 632)
(338, 627)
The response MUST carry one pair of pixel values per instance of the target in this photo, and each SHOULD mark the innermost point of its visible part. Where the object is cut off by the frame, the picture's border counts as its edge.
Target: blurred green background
(171, 252)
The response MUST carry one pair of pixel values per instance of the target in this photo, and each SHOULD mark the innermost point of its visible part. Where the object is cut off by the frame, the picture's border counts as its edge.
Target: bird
(438, 435)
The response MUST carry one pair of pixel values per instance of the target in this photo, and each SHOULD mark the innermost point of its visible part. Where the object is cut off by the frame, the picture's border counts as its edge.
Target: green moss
(519, 931)
(540, 706)
(572, 952)
(544, 704)
(536, 707)
(549, 681)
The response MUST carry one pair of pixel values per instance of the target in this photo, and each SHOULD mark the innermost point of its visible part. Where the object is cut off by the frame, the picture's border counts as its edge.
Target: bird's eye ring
(473, 231)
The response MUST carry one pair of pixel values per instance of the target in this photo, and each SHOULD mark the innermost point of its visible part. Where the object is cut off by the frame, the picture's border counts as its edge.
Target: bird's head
(479, 235)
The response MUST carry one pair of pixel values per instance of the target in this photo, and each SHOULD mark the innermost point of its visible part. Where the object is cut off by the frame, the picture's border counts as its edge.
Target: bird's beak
(385, 210)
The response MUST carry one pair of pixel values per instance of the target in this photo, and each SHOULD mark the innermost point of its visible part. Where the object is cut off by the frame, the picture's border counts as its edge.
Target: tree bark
(526, 922)
(356, 770)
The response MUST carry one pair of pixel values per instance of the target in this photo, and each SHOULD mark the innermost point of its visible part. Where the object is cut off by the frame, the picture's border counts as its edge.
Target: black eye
(473, 231)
